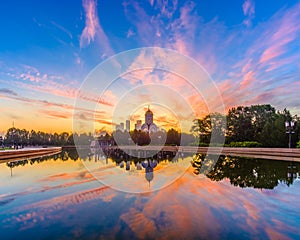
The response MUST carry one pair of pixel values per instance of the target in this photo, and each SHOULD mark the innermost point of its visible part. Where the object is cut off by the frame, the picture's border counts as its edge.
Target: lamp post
(289, 125)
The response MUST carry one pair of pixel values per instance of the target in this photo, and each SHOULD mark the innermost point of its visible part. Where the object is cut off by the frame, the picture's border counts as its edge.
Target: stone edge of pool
(284, 154)
(27, 153)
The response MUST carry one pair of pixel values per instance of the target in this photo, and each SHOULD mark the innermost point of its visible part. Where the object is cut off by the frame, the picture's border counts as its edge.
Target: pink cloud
(275, 43)
(198, 105)
(177, 33)
(206, 202)
(91, 22)
(248, 81)
(93, 29)
(56, 114)
(145, 25)
(245, 80)
(288, 24)
(130, 33)
(249, 11)
(183, 30)
(141, 225)
(39, 211)
(65, 110)
(248, 78)
(275, 234)
(275, 50)
(248, 8)
(63, 90)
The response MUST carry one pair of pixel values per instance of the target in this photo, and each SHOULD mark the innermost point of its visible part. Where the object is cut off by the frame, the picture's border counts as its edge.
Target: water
(241, 198)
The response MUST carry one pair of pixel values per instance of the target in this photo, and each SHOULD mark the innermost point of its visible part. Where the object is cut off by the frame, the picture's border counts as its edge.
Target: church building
(149, 126)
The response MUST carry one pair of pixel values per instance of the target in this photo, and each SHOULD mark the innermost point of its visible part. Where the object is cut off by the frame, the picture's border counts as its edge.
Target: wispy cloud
(31, 78)
(249, 12)
(63, 29)
(56, 114)
(91, 22)
(264, 73)
(249, 65)
(8, 91)
(57, 110)
(165, 28)
(280, 41)
(93, 30)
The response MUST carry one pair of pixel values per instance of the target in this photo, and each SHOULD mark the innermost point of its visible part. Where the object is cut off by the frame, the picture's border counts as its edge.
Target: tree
(63, 138)
(239, 125)
(173, 137)
(202, 128)
(211, 128)
(273, 133)
(260, 114)
(258, 123)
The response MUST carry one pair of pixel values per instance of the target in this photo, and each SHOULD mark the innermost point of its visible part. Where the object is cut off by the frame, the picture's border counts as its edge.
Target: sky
(249, 49)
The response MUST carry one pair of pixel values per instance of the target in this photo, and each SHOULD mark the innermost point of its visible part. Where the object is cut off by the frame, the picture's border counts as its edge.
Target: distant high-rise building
(138, 125)
(128, 125)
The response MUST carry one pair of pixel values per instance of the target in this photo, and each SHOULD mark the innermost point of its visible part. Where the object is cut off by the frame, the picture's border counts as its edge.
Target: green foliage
(244, 144)
(273, 133)
(139, 137)
(298, 144)
(256, 123)
(247, 123)
(173, 137)
(202, 144)
(23, 137)
(214, 123)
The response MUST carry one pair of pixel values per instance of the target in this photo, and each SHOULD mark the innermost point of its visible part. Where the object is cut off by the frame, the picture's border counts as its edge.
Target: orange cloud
(141, 225)
(56, 114)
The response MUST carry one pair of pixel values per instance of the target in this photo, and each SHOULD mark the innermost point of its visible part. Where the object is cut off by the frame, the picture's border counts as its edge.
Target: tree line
(16, 137)
(256, 125)
(170, 137)
(248, 126)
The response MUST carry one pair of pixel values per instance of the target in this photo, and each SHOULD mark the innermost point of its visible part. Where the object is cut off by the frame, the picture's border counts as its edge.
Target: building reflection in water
(149, 165)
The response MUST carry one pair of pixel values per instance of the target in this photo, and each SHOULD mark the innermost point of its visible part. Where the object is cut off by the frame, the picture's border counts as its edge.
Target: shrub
(201, 144)
(244, 144)
(298, 144)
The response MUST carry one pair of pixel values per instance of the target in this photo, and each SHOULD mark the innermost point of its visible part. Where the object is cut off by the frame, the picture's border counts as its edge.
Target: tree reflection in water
(241, 171)
(250, 172)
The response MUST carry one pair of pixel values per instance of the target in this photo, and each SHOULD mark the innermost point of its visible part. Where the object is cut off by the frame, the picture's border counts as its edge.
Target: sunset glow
(249, 49)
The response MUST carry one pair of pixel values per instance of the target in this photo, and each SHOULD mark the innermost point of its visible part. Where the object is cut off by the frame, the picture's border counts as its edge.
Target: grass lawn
(5, 148)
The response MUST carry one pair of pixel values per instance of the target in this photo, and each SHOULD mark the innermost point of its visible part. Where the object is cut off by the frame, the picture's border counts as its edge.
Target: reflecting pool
(57, 197)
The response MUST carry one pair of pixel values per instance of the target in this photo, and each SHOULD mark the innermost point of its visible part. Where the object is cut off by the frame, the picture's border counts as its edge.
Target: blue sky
(250, 48)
